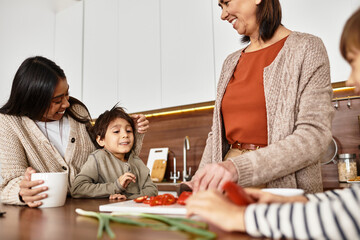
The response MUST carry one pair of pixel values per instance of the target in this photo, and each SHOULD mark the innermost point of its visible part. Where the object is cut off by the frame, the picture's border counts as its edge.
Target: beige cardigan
(99, 177)
(298, 97)
(22, 145)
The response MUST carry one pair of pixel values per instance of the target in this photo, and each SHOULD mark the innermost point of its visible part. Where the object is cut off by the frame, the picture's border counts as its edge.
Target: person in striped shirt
(330, 215)
(333, 214)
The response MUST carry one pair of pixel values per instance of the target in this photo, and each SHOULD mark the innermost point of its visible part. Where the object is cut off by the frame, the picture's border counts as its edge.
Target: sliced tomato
(237, 194)
(183, 196)
(157, 200)
(140, 199)
(168, 199)
(164, 199)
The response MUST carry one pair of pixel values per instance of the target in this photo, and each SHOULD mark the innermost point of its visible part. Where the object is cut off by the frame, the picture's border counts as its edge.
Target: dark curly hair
(103, 121)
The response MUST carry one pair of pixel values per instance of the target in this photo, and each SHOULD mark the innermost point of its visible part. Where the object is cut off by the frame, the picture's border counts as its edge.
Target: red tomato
(140, 199)
(168, 199)
(183, 196)
(164, 199)
(237, 194)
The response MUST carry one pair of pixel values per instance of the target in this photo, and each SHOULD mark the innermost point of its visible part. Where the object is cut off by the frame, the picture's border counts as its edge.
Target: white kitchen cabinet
(139, 82)
(100, 61)
(68, 46)
(187, 52)
(121, 55)
(147, 54)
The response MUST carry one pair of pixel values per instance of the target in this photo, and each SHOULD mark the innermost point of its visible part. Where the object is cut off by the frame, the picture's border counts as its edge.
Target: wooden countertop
(21, 222)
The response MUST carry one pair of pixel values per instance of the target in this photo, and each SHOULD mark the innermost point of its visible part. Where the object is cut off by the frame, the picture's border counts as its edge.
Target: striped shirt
(330, 215)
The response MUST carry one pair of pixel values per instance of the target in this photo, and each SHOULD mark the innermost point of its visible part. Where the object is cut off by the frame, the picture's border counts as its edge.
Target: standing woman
(43, 129)
(273, 113)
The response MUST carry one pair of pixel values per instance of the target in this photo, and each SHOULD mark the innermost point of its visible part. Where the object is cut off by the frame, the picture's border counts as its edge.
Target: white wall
(26, 29)
(325, 19)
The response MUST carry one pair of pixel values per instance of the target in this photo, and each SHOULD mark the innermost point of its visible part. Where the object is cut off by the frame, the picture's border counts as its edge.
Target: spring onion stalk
(96, 215)
(197, 223)
(172, 223)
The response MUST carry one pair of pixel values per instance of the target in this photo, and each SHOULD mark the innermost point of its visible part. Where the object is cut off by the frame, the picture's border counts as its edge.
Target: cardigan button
(73, 140)
(63, 167)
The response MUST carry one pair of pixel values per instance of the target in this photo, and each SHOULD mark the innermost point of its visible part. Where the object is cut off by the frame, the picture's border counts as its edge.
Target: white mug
(57, 188)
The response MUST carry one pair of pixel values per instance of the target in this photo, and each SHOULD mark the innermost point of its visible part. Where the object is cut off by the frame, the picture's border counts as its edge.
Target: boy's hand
(126, 179)
(117, 197)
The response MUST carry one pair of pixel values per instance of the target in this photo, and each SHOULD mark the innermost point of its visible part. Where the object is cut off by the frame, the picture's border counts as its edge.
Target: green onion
(96, 215)
(172, 223)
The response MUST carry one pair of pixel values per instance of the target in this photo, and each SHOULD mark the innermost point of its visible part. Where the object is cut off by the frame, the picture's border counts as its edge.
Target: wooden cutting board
(158, 170)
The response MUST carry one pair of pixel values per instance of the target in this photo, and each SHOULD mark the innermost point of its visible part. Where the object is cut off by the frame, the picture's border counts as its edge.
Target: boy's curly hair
(103, 121)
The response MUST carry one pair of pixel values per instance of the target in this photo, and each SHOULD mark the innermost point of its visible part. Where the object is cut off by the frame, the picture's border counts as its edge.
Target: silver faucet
(186, 176)
(174, 176)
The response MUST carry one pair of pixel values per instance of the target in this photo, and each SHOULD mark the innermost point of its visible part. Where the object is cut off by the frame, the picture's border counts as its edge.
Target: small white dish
(353, 181)
(284, 191)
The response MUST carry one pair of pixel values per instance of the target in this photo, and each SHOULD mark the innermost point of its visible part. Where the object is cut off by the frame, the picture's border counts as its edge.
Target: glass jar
(347, 166)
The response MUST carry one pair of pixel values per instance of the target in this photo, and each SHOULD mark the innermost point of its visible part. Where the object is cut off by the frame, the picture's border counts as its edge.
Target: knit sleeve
(88, 184)
(335, 218)
(206, 157)
(13, 162)
(139, 141)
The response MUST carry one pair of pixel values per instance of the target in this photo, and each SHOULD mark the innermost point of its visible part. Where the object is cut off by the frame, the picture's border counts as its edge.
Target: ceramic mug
(57, 188)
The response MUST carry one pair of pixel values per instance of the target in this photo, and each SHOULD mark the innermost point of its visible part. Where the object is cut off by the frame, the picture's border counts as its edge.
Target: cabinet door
(68, 46)
(187, 59)
(139, 84)
(100, 67)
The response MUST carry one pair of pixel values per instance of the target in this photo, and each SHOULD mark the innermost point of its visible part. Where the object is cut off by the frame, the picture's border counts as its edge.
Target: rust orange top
(243, 105)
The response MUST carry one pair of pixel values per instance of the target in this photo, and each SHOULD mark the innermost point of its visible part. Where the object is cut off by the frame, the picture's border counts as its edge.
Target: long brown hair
(32, 90)
(350, 37)
(268, 16)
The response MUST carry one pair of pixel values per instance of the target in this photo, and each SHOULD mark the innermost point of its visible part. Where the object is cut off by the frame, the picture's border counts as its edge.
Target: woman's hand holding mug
(31, 196)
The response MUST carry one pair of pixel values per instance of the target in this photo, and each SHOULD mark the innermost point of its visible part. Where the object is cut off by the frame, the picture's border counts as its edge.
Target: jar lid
(347, 155)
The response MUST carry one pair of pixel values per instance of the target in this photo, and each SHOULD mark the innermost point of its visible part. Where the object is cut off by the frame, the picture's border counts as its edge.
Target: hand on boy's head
(126, 179)
(141, 123)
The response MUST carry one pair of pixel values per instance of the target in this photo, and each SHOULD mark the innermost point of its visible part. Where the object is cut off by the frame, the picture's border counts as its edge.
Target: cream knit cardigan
(22, 145)
(298, 97)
